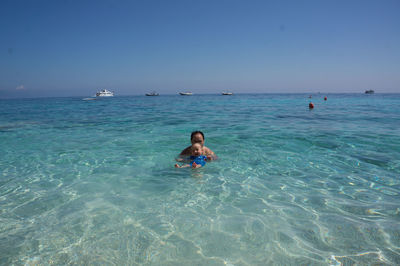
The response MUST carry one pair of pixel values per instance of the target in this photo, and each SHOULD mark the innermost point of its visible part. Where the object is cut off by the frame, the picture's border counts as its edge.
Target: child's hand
(194, 165)
(177, 166)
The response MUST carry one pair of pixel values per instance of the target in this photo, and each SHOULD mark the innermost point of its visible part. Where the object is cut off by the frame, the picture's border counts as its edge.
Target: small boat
(227, 93)
(153, 93)
(104, 93)
(369, 92)
(186, 93)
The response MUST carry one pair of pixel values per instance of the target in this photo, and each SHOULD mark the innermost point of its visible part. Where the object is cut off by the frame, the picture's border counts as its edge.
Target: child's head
(196, 149)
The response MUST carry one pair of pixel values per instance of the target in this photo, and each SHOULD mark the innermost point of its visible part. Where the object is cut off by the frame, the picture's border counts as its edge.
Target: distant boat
(186, 93)
(104, 93)
(227, 93)
(369, 92)
(153, 93)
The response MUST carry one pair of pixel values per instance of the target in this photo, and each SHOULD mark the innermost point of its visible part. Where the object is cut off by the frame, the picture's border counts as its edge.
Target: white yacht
(104, 93)
(227, 93)
(153, 93)
(186, 93)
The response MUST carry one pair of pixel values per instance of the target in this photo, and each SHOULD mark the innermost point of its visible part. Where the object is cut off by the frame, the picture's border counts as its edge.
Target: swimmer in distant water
(197, 159)
(198, 137)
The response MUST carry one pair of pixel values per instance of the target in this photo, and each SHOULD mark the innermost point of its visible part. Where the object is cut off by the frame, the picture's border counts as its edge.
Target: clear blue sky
(66, 48)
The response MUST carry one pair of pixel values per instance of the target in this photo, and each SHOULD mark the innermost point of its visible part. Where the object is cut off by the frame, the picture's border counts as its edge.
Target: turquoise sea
(94, 183)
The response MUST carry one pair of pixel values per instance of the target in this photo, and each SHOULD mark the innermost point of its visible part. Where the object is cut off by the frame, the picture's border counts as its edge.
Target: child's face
(197, 149)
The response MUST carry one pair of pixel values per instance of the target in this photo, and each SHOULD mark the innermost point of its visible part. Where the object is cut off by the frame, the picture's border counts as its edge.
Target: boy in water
(197, 158)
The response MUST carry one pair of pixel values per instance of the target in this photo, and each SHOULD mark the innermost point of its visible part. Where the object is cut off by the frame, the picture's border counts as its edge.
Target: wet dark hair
(196, 132)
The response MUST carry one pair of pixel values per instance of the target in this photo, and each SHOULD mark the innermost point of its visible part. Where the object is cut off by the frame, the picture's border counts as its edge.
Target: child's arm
(182, 166)
(194, 165)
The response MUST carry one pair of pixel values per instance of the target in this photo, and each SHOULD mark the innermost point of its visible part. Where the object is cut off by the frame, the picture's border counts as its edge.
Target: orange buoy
(311, 105)
(325, 98)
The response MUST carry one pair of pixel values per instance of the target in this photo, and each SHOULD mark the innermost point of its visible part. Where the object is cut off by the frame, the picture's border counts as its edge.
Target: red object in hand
(311, 105)
(325, 98)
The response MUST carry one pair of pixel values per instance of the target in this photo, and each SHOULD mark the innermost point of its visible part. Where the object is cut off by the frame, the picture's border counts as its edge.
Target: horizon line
(194, 94)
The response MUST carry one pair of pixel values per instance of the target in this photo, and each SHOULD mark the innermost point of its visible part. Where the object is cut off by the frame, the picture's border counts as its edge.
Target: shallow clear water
(93, 182)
